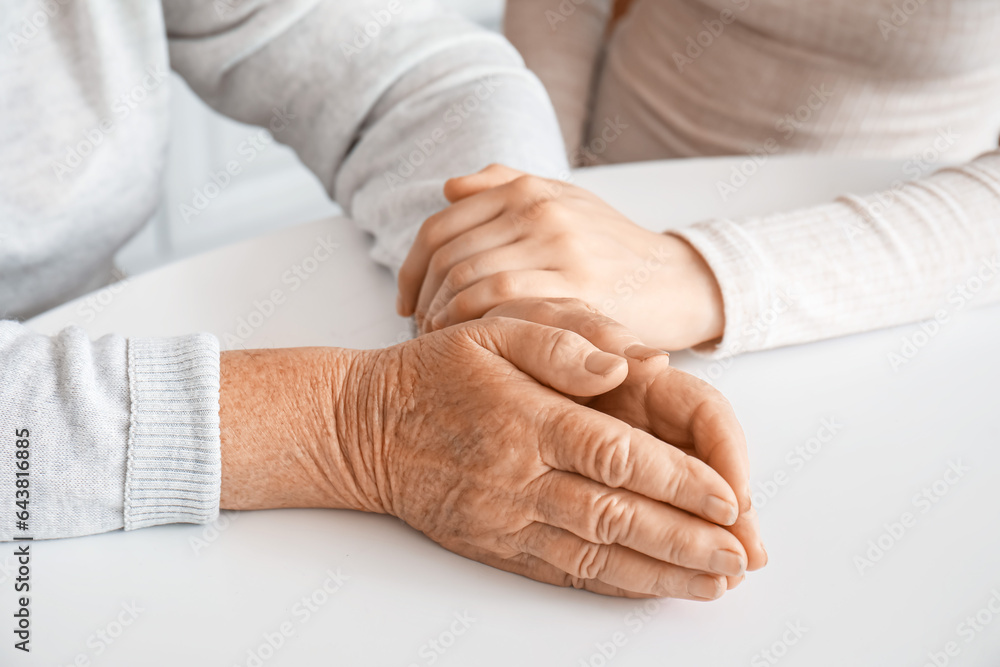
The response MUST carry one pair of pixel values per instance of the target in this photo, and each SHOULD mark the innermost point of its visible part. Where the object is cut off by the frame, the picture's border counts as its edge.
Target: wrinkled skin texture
(508, 235)
(471, 435)
(477, 455)
(658, 399)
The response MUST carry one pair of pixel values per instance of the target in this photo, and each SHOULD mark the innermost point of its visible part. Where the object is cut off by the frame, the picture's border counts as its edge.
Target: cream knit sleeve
(921, 250)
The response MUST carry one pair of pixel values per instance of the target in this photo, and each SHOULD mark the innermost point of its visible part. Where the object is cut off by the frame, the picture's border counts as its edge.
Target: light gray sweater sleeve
(117, 433)
(382, 99)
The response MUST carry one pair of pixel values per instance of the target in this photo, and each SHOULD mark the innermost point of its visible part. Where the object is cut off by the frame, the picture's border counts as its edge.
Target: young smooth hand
(508, 235)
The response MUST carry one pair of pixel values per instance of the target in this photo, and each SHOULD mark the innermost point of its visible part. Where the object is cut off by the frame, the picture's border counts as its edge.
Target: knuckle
(461, 274)
(613, 518)
(570, 243)
(572, 303)
(440, 261)
(458, 308)
(431, 231)
(504, 284)
(680, 476)
(613, 459)
(528, 185)
(591, 561)
(543, 210)
(681, 544)
(562, 344)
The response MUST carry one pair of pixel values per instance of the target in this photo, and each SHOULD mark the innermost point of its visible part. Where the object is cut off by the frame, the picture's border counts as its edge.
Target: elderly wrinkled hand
(475, 453)
(676, 407)
(472, 436)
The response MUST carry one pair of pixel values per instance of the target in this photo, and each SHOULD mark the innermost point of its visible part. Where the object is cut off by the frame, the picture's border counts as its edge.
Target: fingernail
(720, 511)
(602, 363)
(705, 587)
(643, 352)
(727, 562)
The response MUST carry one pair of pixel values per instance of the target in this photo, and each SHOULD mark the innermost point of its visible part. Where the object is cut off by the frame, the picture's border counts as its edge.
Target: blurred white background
(272, 191)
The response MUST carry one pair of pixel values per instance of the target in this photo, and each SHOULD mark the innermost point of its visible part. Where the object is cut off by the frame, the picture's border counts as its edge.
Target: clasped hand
(637, 487)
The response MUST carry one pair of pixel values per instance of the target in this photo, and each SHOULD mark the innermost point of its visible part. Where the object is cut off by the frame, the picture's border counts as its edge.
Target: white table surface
(210, 594)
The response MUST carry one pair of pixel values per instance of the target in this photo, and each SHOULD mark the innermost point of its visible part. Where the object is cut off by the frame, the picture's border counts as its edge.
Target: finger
(617, 566)
(499, 232)
(535, 568)
(689, 412)
(620, 457)
(478, 298)
(600, 515)
(437, 230)
(558, 358)
(522, 256)
(488, 177)
(579, 316)
(747, 531)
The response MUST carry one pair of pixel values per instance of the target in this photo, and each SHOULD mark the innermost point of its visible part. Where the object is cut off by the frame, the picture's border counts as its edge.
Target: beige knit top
(917, 80)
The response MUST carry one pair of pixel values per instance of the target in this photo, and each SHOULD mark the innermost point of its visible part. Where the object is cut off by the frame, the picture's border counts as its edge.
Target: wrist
(284, 427)
(688, 299)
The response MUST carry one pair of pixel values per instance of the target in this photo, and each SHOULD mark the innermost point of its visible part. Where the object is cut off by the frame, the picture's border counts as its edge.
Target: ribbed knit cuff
(174, 468)
(742, 278)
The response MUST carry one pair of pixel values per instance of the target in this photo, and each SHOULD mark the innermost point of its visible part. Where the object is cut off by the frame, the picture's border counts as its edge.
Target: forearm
(295, 430)
(382, 123)
(860, 263)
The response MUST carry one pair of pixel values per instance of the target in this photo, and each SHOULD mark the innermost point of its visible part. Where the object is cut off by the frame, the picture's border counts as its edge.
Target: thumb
(561, 359)
(494, 175)
(578, 316)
